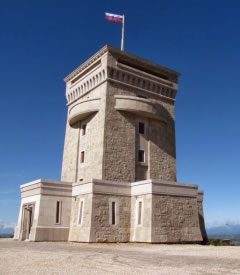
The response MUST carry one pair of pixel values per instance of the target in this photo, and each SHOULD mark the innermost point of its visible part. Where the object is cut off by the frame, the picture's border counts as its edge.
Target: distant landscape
(235, 239)
(6, 229)
(6, 235)
(225, 231)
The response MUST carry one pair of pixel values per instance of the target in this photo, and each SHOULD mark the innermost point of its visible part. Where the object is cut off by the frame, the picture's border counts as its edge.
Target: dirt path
(77, 258)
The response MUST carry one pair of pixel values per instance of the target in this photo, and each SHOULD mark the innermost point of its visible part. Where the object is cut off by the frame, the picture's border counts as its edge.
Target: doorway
(27, 221)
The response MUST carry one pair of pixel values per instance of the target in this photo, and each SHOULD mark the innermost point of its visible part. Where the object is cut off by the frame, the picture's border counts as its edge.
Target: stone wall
(47, 229)
(175, 219)
(141, 232)
(119, 140)
(102, 230)
(50, 234)
(47, 211)
(72, 170)
(69, 163)
(201, 217)
(81, 232)
(162, 155)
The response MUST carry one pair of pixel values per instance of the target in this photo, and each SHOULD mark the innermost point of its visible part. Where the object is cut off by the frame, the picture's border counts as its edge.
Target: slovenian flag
(114, 17)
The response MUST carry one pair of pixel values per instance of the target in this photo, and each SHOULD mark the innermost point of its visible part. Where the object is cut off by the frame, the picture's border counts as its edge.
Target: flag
(114, 17)
(119, 19)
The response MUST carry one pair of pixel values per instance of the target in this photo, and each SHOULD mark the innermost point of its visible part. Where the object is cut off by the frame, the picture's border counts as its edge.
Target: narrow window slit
(58, 211)
(84, 129)
(113, 212)
(139, 212)
(80, 213)
(141, 156)
(82, 157)
(141, 128)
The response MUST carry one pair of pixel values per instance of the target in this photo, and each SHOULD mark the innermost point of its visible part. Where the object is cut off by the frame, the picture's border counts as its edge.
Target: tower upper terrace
(114, 65)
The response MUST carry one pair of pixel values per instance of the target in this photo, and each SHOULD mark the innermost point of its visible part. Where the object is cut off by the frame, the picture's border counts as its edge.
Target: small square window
(82, 157)
(84, 129)
(141, 156)
(141, 128)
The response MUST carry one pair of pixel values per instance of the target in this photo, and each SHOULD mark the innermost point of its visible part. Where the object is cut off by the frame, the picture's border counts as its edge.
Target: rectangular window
(139, 212)
(141, 127)
(113, 212)
(58, 212)
(141, 96)
(82, 157)
(84, 130)
(141, 156)
(80, 212)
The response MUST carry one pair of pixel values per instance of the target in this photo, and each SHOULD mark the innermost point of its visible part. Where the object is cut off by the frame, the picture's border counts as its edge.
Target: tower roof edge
(122, 55)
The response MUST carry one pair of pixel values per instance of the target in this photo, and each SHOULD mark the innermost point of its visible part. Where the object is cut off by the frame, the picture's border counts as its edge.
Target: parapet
(110, 64)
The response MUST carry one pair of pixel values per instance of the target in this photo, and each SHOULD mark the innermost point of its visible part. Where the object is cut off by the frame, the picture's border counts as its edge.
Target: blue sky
(42, 41)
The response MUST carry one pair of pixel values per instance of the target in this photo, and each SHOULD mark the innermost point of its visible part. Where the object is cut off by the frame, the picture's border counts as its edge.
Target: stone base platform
(152, 211)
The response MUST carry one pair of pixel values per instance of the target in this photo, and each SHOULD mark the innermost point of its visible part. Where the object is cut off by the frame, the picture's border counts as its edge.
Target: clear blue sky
(42, 41)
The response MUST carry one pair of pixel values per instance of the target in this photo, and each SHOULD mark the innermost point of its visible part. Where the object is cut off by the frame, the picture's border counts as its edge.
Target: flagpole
(122, 41)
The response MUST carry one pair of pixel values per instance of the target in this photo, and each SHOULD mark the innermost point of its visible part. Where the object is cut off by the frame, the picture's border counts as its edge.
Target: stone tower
(120, 120)
(118, 180)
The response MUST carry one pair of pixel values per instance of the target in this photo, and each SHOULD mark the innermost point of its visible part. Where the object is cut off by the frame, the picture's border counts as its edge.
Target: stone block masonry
(169, 212)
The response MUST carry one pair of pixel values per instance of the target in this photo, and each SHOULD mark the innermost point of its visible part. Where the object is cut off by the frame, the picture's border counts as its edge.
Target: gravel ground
(78, 258)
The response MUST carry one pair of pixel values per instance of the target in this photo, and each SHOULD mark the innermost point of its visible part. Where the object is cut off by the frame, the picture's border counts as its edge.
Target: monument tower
(118, 180)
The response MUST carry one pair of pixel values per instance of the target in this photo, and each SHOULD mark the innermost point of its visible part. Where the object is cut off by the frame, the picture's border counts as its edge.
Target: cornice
(87, 63)
(142, 61)
(122, 54)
